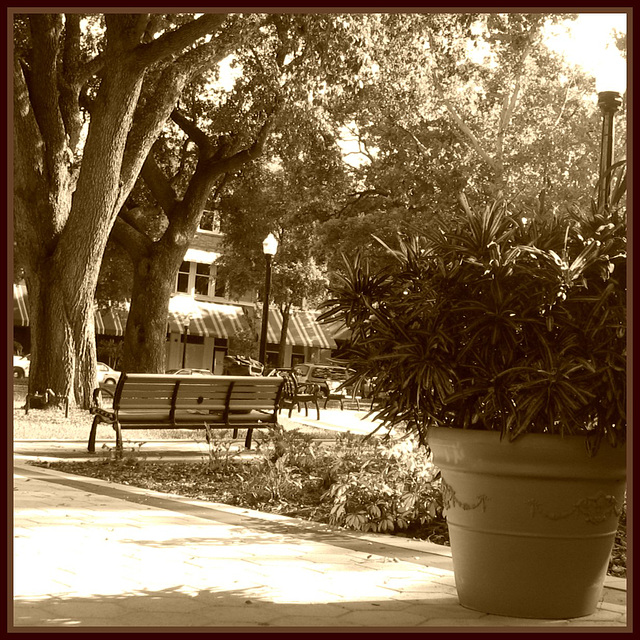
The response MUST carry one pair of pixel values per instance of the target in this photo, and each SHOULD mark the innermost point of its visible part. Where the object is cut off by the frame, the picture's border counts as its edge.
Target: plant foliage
(496, 320)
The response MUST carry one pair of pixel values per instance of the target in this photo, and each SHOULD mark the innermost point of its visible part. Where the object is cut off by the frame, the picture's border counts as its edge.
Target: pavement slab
(94, 554)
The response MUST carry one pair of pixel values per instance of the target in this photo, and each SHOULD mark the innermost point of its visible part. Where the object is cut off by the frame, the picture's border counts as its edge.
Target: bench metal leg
(92, 435)
(118, 429)
(247, 441)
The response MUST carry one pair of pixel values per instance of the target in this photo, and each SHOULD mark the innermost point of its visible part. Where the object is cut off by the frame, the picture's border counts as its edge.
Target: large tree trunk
(146, 330)
(62, 337)
(156, 263)
(62, 287)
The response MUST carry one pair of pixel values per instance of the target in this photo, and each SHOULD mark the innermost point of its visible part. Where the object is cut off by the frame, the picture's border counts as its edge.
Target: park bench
(161, 401)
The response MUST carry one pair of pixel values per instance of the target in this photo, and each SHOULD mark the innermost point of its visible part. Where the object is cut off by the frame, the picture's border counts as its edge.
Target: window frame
(192, 279)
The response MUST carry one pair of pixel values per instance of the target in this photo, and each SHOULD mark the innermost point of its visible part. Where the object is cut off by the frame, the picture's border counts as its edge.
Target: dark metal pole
(265, 313)
(184, 348)
(609, 102)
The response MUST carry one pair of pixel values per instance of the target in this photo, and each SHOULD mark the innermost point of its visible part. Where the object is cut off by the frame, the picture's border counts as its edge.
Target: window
(194, 277)
(296, 359)
(210, 221)
(203, 277)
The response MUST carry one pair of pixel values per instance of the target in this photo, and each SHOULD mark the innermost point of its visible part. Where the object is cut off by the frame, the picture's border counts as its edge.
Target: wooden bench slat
(213, 394)
(160, 401)
(145, 403)
(148, 387)
(127, 395)
(239, 404)
(146, 416)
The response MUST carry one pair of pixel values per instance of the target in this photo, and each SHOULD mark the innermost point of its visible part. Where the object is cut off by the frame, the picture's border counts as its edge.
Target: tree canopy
(472, 104)
(125, 127)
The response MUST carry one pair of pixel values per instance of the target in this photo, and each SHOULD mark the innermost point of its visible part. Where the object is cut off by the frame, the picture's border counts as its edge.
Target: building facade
(203, 321)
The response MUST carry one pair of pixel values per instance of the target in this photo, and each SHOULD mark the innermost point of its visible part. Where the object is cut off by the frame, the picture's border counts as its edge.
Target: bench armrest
(97, 402)
(97, 397)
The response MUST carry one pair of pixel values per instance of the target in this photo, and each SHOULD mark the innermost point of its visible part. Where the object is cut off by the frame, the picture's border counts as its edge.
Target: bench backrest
(171, 397)
(253, 393)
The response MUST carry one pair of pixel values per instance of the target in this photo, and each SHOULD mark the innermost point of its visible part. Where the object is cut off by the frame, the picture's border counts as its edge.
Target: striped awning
(111, 322)
(207, 319)
(106, 322)
(20, 309)
(303, 330)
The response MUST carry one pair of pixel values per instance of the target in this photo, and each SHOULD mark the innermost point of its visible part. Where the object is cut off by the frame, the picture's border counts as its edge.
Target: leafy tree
(463, 103)
(300, 176)
(215, 135)
(91, 94)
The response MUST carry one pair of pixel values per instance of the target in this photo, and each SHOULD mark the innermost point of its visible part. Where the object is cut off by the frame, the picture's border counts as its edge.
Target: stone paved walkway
(93, 554)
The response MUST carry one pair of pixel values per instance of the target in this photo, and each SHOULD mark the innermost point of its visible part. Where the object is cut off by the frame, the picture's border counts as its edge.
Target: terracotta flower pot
(531, 522)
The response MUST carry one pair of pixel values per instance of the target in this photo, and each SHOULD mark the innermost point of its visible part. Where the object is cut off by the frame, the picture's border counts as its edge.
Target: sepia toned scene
(319, 320)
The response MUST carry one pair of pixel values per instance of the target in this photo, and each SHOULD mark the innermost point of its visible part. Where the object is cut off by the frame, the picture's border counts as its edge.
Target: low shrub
(367, 484)
(394, 487)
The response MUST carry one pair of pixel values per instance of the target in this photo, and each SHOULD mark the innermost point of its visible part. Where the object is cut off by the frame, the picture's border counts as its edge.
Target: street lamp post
(186, 323)
(609, 103)
(269, 248)
(610, 85)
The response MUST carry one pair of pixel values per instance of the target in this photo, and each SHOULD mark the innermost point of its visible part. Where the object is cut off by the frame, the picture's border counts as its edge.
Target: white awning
(303, 330)
(203, 257)
(207, 318)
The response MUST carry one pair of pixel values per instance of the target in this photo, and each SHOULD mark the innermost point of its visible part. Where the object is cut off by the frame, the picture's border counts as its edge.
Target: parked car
(21, 366)
(242, 366)
(107, 375)
(280, 371)
(190, 372)
(327, 376)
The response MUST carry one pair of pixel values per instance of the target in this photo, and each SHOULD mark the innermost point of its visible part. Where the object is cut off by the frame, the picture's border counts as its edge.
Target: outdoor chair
(295, 395)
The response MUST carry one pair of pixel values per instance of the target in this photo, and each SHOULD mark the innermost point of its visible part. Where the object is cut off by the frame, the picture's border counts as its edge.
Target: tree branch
(172, 43)
(475, 143)
(361, 196)
(192, 130)
(43, 90)
(161, 99)
(132, 240)
(184, 155)
(234, 162)
(421, 146)
(510, 103)
(68, 80)
(158, 184)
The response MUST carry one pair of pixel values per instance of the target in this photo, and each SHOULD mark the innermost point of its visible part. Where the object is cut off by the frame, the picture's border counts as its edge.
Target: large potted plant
(500, 338)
